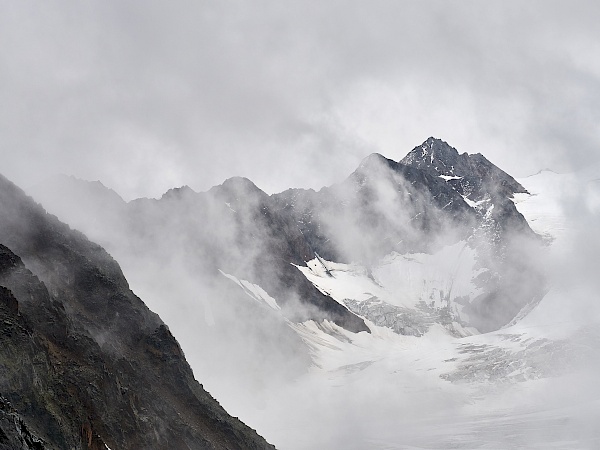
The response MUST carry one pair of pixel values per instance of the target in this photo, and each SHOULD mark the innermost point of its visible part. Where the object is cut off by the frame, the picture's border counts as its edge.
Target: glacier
(530, 384)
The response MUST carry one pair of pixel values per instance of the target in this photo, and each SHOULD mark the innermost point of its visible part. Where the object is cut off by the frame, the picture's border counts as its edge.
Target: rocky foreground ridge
(84, 364)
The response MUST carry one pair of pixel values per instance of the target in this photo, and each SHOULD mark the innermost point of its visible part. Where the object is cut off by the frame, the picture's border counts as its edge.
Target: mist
(203, 262)
(147, 98)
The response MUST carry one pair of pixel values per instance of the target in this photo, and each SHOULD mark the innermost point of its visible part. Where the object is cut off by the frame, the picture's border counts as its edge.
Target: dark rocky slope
(84, 362)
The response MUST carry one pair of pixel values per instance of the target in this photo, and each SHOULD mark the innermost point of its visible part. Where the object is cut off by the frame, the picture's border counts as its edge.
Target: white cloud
(290, 94)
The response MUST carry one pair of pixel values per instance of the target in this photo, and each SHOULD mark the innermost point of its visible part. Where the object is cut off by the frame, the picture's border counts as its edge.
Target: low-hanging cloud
(170, 91)
(145, 97)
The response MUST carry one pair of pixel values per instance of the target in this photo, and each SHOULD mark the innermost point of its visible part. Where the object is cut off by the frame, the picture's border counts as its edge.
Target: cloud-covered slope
(84, 362)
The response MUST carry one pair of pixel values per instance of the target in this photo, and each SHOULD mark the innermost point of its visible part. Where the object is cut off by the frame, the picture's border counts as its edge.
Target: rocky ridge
(434, 197)
(85, 364)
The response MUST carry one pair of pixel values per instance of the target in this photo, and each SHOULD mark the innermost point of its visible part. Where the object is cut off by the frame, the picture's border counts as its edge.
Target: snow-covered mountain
(530, 384)
(415, 304)
(434, 205)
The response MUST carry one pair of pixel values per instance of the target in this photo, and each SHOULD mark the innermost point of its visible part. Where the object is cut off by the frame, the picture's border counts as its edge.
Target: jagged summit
(437, 154)
(236, 190)
(373, 160)
(473, 176)
(239, 183)
(237, 186)
(183, 191)
(373, 167)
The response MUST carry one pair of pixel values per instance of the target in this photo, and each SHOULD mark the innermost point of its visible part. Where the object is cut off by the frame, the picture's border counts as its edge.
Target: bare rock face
(477, 180)
(14, 433)
(84, 363)
(471, 175)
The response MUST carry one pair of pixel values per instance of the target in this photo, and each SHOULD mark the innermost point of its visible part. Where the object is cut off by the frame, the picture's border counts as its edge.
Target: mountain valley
(415, 304)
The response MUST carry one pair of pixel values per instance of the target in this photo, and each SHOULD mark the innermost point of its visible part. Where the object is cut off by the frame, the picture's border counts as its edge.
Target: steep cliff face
(85, 364)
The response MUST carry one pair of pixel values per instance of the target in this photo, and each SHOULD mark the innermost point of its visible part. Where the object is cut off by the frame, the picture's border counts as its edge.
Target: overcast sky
(146, 95)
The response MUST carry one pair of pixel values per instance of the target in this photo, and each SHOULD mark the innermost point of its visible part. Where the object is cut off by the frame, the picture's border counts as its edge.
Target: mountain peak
(183, 191)
(373, 157)
(374, 161)
(433, 153)
(477, 175)
(433, 141)
(240, 185)
(236, 188)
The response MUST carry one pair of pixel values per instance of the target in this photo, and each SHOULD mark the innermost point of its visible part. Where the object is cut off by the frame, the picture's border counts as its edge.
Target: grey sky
(147, 95)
